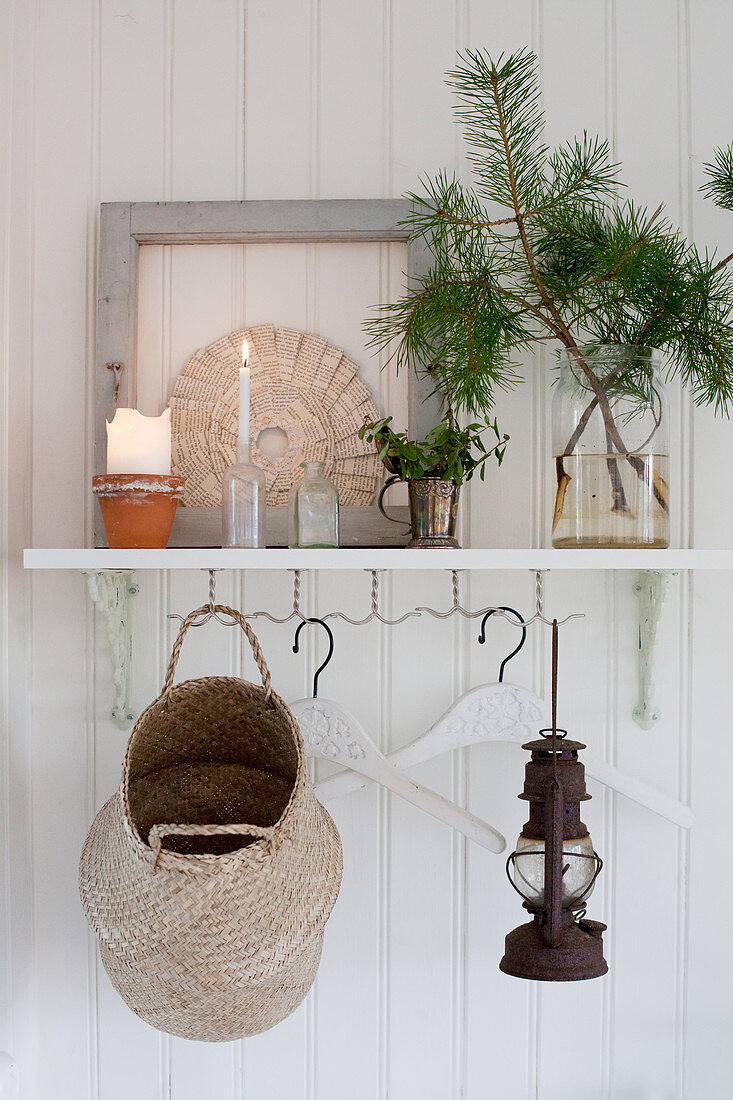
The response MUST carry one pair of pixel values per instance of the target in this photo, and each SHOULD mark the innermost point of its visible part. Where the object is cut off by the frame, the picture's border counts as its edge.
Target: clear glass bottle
(243, 497)
(610, 435)
(313, 511)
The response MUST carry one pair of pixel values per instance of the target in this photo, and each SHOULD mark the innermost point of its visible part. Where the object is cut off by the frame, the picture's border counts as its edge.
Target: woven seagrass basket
(209, 876)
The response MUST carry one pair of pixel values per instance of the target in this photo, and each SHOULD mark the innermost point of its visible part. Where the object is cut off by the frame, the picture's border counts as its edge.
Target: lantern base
(578, 957)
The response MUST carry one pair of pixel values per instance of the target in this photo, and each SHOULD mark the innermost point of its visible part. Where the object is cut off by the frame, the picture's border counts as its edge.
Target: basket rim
(259, 848)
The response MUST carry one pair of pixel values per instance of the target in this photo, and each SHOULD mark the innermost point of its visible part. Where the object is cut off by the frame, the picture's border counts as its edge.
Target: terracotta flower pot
(138, 509)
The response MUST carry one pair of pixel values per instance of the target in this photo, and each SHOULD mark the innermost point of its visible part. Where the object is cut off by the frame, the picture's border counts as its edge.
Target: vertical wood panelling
(350, 96)
(196, 1067)
(207, 97)
(458, 1064)
(90, 800)
(20, 68)
(135, 124)
(274, 289)
(421, 880)
(109, 101)
(710, 1063)
(203, 146)
(418, 911)
(65, 54)
(651, 158)
(711, 84)
(6, 114)
(133, 100)
(709, 1060)
(686, 591)
(278, 122)
(584, 655)
(505, 508)
(503, 512)
(609, 834)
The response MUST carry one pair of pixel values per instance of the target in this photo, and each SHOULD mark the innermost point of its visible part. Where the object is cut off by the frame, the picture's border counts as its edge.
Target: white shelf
(215, 558)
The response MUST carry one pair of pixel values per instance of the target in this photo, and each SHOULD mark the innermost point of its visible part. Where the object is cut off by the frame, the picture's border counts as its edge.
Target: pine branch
(476, 81)
(719, 185)
(566, 263)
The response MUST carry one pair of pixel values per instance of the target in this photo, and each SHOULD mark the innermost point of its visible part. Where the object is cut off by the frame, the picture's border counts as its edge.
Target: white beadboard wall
(107, 100)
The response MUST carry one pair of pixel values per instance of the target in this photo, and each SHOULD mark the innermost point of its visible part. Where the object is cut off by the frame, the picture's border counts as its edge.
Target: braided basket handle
(156, 834)
(251, 638)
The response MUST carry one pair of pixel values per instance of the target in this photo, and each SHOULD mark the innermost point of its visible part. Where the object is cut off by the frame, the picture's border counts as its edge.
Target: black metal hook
(329, 655)
(522, 640)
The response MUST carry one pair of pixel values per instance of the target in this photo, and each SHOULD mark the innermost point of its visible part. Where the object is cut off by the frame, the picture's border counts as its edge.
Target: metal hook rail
(374, 613)
(456, 608)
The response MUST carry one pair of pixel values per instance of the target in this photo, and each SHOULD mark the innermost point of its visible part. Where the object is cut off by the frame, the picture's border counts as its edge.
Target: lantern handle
(554, 687)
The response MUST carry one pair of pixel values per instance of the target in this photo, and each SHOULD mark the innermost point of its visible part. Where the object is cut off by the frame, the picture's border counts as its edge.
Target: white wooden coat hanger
(490, 712)
(332, 733)
(505, 712)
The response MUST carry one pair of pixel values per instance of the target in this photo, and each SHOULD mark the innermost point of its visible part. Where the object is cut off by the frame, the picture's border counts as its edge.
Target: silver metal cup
(433, 511)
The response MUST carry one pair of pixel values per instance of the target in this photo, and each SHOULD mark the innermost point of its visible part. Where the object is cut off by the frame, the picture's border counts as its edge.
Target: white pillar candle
(244, 396)
(138, 444)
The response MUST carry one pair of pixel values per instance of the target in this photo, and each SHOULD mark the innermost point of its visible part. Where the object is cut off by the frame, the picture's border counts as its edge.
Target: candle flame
(245, 353)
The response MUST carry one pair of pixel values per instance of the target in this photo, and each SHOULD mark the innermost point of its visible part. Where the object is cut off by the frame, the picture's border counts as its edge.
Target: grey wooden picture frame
(125, 226)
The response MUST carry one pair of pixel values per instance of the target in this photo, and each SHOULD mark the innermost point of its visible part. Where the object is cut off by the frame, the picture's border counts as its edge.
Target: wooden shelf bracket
(111, 591)
(651, 588)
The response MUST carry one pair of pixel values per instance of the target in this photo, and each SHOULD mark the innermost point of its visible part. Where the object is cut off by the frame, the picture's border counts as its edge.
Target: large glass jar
(314, 509)
(610, 435)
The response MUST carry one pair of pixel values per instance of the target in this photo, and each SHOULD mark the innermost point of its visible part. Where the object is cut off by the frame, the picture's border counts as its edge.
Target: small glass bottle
(243, 495)
(313, 511)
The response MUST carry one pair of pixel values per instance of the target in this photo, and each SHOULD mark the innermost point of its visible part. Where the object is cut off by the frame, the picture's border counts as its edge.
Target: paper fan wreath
(307, 402)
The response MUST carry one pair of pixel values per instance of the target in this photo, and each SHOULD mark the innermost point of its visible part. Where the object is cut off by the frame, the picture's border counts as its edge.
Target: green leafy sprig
(447, 452)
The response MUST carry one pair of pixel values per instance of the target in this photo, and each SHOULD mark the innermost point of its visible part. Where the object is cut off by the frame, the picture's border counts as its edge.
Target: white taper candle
(244, 396)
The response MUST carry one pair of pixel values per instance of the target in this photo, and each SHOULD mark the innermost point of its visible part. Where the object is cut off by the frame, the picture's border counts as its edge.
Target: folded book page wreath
(307, 402)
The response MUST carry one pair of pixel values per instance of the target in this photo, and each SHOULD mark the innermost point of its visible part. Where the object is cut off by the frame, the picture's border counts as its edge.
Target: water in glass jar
(611, 500)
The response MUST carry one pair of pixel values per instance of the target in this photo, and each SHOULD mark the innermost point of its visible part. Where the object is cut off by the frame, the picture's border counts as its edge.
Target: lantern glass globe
(528, 870)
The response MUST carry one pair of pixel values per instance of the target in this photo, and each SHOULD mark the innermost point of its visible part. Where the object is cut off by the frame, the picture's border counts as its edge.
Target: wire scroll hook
(456, 606)
(211, 612)
(522, 640)
(539, 591)
(212, 592)
(296, 613)
(374, 612)
(329, 655)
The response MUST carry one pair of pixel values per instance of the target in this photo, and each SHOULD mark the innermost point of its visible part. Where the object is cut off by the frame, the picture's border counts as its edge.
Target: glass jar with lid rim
(610, 434)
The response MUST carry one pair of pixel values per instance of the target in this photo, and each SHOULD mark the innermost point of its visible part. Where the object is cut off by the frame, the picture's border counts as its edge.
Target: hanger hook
(329, 655)
(212, 592)
(522, 640)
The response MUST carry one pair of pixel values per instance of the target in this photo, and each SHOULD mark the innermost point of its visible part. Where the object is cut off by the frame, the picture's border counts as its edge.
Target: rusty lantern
(554, 866)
